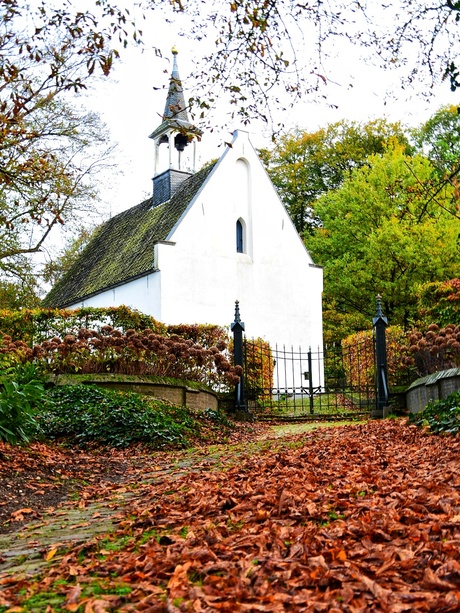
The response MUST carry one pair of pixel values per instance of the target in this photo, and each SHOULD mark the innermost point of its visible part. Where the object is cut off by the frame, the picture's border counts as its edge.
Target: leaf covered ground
(356, 518)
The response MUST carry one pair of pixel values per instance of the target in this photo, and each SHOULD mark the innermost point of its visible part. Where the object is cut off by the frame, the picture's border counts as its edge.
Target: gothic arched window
(239, 237)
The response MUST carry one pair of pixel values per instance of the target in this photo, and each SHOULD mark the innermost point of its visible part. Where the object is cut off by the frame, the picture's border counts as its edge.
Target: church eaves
(123, 247)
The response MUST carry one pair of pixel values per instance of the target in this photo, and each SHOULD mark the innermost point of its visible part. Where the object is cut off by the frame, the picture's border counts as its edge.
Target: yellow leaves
(49, 555)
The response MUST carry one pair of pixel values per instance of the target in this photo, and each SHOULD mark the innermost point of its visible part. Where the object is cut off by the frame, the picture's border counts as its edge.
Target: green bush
(218, 417)
(21, 393)
(84, 414)
(441, 416)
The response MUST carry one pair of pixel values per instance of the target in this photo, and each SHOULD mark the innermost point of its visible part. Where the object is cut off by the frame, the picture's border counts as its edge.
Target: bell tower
(173, 136)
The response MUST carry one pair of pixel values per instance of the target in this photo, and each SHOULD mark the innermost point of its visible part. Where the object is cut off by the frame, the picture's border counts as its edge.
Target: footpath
(29, 551)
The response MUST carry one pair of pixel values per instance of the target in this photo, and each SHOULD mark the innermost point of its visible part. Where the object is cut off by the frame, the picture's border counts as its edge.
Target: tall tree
(439, 139)
(381, 234)
(49, 148)
(304, 166)
(46, 168)
(260, 49)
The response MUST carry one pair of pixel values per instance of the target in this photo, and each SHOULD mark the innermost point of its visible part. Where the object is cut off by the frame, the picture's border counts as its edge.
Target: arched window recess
(240, 238)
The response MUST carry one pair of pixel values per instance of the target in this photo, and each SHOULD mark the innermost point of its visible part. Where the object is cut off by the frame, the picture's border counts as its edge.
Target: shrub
(441, 416)
(259, 369)
(205, 335)
(35, 325)
(130, 353)
(21, 393)
(84, 414)
(437, 349)
(359, 357)
(137, 353)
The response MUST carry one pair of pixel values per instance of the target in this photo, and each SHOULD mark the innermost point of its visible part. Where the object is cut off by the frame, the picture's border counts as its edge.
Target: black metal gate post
(380, 323)
(310, 380)
(237, 327)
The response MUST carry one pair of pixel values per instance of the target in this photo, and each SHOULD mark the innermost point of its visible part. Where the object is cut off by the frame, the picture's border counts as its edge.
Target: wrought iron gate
(291, 384)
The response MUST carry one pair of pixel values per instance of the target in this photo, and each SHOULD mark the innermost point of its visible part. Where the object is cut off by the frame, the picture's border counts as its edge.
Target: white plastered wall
(275, 281)
(142, 294)
(200, 274)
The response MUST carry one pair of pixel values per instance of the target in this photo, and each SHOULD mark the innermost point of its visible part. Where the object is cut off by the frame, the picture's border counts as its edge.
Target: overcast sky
(131, 105)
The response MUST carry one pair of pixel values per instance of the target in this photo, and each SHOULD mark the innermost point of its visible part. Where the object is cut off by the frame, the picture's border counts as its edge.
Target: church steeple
(175, 107)
(175, 130)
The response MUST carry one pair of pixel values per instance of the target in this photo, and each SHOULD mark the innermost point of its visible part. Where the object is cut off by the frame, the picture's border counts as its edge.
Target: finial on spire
(379, 313)
(174, 50)
(237, 322)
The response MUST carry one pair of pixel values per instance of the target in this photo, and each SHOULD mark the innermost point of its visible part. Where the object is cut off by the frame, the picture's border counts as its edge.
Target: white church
(202, 241)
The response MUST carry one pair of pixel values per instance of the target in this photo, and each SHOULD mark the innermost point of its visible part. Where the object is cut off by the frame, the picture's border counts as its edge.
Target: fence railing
(288, 382)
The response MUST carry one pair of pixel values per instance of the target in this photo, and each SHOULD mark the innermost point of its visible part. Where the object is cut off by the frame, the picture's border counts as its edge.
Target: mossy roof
(123, 247)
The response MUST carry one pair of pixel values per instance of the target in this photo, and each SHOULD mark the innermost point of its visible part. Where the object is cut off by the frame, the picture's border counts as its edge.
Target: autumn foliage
(437, 349)
(138, 353)
(440, 302)
(355, 519)
(259, 369)
(132, 344)
(359, 357)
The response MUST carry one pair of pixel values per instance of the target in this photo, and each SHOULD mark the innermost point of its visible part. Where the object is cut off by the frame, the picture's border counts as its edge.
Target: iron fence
(286, 383)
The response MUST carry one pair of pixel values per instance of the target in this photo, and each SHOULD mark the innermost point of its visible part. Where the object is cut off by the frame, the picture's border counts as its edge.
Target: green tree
(382, 234)
(439, 302)
(439, 139)
(304, 166)
(19, 294)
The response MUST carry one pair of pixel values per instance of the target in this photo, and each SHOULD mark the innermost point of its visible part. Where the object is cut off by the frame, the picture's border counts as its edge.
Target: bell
(180, 142)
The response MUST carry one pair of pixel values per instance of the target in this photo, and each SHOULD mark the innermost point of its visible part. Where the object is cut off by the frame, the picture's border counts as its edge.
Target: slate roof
(123, 247)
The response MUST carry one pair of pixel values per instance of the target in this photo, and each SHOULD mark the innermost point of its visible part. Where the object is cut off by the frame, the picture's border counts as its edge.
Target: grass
(282, 430)
(323, 404)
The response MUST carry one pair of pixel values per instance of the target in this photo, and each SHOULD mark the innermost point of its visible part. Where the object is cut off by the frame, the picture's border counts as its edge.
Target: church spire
(175, 107)
(175, 129)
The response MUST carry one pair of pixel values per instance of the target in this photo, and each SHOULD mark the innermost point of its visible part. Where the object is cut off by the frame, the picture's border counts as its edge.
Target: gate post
(310, 381)
(237, 327)
(380, 323)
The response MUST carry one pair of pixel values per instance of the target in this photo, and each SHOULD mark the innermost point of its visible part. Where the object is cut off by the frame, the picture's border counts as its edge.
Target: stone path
(29, 551)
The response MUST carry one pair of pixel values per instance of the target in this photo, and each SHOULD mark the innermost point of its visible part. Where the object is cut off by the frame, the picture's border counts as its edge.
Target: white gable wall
(278, 286)
(201, 274)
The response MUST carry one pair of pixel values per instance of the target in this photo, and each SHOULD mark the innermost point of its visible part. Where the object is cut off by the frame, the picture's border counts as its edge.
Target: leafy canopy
(303, 165)
(381, 234)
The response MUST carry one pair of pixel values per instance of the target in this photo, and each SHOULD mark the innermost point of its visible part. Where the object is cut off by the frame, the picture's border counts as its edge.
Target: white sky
(132, 108)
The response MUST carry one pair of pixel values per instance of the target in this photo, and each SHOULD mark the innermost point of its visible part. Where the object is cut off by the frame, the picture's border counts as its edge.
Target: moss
(123, 248)
(134, 379)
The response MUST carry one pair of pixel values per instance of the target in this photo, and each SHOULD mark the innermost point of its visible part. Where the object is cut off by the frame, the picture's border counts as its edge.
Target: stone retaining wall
(177, 392)
(432, 387)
